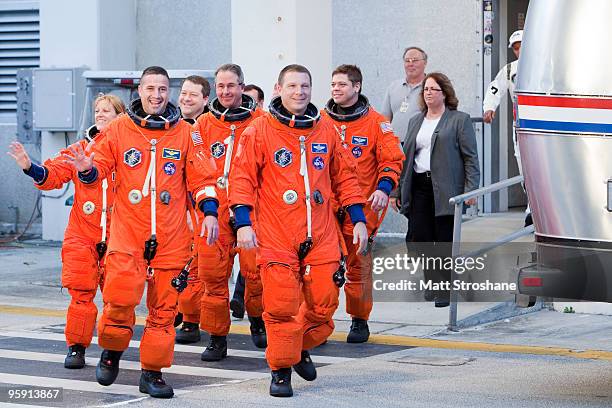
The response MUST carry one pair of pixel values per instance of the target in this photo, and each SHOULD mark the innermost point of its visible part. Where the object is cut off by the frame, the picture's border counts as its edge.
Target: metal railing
(458, 201)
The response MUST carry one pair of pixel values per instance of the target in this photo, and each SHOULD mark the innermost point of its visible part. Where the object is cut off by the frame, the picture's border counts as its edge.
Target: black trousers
(429, 235)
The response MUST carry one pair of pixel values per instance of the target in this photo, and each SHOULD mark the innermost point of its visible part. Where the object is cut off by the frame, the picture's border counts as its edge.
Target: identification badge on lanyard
(404, 106)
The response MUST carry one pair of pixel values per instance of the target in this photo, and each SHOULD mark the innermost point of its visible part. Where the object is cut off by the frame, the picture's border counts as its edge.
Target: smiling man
(375, 148)
(193, 98)
(401, 100)
(153, 155)
(288, 166)
(220, 131)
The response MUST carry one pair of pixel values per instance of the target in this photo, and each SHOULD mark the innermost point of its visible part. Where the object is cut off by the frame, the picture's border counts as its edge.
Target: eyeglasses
(431, 89)
(411, 60)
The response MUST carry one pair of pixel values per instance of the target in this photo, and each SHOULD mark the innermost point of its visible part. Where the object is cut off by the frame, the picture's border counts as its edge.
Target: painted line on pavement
(77, 385)
(135, 365)
(395, 340)
(177, 347)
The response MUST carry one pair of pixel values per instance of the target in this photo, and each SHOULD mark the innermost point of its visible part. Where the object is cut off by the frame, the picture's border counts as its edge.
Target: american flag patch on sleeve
(386, 127)
(197, 139)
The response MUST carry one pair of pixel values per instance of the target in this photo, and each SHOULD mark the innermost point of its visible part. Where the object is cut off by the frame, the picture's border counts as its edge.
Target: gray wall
(196, 34)
(374, 33)
(190, 34)
(15, 187)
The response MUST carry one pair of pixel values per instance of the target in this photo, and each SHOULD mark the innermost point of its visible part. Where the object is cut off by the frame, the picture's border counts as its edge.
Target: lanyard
(304, 174)
(229, 141)
(104, 209)
(149, 185)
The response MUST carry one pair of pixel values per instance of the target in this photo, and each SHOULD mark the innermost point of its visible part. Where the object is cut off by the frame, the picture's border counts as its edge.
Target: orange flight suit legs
(215, 267)
(281, 302)
(80, 264)
(124, 282)
(191, 297)
(81, 276)
(358, 287)
(81, 317)
(320, 303)
(291, 328)
(157, 343)
(253, 288)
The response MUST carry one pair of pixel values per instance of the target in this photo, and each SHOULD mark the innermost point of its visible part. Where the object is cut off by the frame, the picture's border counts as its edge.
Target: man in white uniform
(505, 82)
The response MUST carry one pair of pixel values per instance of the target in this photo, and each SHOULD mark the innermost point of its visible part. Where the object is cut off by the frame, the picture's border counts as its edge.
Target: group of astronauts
(168, 196)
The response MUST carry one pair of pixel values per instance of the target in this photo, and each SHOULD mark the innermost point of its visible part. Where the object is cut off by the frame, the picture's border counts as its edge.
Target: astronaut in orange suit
(288, 165)
(152, 151)
(86, 234)
(192, 101)
(376, 150)
(220, 129)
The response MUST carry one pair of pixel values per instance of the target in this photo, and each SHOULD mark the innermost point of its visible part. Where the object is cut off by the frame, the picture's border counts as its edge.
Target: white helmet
(515, 37)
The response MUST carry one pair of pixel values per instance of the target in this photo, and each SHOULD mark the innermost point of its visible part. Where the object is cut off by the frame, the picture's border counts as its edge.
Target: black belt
(426, 174)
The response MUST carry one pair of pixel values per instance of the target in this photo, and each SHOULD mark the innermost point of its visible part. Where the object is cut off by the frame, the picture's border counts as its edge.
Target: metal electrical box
(25, 127)
(57, 98)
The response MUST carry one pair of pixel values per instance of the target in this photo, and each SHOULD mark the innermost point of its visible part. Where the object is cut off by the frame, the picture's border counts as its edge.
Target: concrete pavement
(540, 359)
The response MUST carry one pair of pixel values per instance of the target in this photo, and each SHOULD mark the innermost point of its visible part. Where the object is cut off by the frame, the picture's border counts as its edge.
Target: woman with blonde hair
(87, 231)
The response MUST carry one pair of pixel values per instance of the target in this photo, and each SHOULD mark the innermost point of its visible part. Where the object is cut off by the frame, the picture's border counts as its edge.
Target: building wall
(15, 190)
(284, 30)
(15, 187)
(185, 34)
(197, 34)
(374, 33)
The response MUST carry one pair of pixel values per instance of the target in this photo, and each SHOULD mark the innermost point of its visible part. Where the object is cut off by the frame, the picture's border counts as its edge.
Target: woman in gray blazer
(441, 162)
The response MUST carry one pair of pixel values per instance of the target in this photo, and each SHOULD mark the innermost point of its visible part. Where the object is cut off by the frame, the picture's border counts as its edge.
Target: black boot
(281, 383)
(216, 349)
(189, 333)
(306, 368)
(528, 220)
(237, 302)
(258, 332)
(152, 383)
(108, 367)
(178, 319)
(442, 298)
(75, 357)
(359, 333)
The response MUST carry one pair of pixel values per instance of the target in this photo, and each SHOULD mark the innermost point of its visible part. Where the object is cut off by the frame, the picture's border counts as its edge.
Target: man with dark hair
(193, 98)
(152, 152)
(401, 99)
(256, 93)
(154, 70)
(371, 140)
(192, 102)
(352, 73)
(289, 164)
(220, 129)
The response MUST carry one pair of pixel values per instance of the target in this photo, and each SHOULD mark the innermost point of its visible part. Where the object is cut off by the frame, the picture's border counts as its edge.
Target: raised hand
(81, 160)
(18, 152)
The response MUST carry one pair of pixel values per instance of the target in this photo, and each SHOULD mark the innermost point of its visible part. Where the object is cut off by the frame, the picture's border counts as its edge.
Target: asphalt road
(543, 359)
